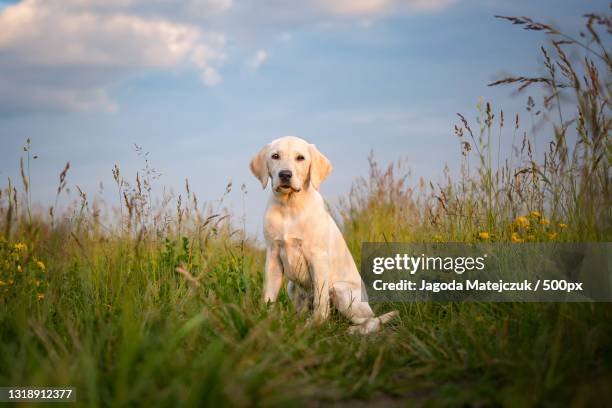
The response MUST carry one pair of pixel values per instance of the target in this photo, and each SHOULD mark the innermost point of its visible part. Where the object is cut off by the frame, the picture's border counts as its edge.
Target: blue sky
(203, 84)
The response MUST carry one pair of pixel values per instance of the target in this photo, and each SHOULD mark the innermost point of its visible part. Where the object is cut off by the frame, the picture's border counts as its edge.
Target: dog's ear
(259, 167)
(320, 167)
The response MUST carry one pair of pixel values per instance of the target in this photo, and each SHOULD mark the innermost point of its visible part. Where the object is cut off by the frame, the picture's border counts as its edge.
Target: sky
(202, 85)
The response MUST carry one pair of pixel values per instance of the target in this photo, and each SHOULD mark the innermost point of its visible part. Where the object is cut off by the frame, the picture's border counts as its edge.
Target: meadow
(158, 302)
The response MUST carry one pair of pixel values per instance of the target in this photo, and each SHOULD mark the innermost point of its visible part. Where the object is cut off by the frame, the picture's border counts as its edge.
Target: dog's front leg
(273, 278)
(320, 281)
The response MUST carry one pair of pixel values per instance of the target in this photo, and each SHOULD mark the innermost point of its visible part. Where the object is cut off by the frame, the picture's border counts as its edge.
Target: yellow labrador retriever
(303, 242)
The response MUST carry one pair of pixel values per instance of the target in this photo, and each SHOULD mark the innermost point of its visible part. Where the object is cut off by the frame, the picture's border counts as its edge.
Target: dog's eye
(300, 157)
(275, 156)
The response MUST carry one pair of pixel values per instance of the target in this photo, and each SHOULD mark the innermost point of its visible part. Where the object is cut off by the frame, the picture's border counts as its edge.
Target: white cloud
(41, 36)
(355, 7)
(207, 8)
(24, 96)
(210, 77)
(193, 8)
(258, 59)
(68, 54)
(374, 8)
(252, 22)
(44, 42)
(429, 5)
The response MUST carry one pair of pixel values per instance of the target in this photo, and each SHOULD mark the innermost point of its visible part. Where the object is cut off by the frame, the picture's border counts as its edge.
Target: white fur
(303, 242)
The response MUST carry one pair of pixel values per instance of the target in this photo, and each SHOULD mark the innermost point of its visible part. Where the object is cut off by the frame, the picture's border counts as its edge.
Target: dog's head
(292, 163)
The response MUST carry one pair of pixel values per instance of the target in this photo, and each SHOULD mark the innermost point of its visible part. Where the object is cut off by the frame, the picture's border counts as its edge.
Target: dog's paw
(369, 326)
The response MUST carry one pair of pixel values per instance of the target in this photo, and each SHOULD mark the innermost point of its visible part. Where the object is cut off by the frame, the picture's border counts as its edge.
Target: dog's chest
(295, 266)
(286, 230)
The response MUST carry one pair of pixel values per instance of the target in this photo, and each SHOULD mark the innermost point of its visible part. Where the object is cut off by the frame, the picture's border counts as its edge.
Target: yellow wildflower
(2, 283)
(552, 236)
(40, 296)
(544, 221)
(484, 235)
(531, 237)
(562, 225)
(41, 266)
(536, 214)
(20, 246)
(19, 269)
(516, 238)
(522, 222)
(36, 282)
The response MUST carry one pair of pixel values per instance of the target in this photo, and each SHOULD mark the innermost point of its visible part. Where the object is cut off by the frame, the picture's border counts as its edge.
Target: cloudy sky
(203, 84)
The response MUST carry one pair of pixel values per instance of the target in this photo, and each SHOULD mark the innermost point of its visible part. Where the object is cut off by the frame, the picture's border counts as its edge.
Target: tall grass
(160, 302)
(564, 192)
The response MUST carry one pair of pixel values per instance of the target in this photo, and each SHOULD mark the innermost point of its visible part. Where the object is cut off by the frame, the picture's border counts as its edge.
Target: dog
(303, 242)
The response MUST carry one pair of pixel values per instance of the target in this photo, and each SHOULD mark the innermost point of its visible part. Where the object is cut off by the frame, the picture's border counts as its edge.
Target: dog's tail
(373, 324)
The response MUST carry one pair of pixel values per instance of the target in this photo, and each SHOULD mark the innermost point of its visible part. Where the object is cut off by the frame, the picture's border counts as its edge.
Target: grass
(99, 305)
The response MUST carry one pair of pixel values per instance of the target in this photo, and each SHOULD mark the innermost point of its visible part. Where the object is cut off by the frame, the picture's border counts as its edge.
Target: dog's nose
(285, 175)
